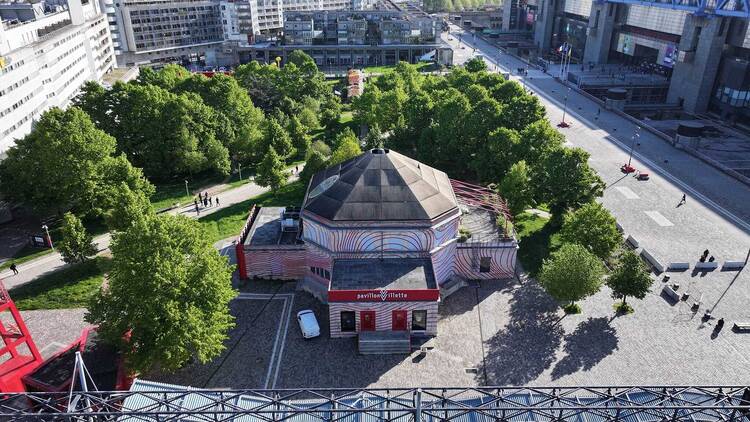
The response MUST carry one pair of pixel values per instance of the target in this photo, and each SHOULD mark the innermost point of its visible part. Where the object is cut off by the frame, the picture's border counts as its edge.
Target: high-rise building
(202, 32)
(703, 51)
(47, 51)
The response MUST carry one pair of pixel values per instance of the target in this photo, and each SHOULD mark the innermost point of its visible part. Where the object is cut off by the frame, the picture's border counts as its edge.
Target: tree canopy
(630, 277)
(76, 245)
(571, 273)
(66, 163)
(167, 296)
(593, 227)
(271, 172)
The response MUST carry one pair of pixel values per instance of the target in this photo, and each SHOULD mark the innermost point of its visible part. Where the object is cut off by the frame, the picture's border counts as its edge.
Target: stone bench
(670, 293)
(741, 326)
(733, 265)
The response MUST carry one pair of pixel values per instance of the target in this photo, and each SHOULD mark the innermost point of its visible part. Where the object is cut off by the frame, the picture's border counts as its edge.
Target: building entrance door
(367, 321)
(399, 320)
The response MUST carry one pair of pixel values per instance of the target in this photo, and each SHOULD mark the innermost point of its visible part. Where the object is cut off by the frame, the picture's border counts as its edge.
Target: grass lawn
(421, 67)
(537, 239)
(229, 221)
(69, 287)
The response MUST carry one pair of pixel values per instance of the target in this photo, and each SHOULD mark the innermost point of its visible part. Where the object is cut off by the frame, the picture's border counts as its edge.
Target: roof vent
(379, 151)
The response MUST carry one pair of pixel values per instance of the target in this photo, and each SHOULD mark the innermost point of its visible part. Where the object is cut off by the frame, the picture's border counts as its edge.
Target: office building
(702, 49)
(47, 51)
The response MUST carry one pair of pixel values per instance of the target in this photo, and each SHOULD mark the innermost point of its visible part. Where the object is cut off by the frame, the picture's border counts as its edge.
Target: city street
(715, 216)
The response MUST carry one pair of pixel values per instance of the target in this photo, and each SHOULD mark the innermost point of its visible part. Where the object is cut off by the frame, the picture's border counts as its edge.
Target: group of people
(205, 200)
(705, 255)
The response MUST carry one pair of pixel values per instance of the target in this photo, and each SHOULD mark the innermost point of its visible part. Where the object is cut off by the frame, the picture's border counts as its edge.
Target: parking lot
(494, 333)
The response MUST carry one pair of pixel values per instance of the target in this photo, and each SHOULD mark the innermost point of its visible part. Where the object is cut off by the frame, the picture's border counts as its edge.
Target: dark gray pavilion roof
(380, 185)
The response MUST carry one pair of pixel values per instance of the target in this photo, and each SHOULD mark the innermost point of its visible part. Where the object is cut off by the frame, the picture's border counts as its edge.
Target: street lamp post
(240, 169)
(563, 123)
(187, 191)
(636, 135)
(49, 239)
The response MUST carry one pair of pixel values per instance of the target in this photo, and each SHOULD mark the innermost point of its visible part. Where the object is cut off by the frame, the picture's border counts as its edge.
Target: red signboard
(383, 295)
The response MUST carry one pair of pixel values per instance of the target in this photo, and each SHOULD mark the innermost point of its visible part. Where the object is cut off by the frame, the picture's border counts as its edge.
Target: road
(29, 271)
(716, 215)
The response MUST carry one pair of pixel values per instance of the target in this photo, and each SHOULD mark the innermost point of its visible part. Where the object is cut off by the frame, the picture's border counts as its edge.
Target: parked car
(308, 324)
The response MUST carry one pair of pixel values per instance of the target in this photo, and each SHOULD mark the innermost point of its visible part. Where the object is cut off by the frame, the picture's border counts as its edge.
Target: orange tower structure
(18, 355)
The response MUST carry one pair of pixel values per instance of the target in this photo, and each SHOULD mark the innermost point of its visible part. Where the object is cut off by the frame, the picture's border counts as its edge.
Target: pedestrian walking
(205, 201)
(682, 201)
(598, 112)
(296, 169)
(197, 210)
(14, 268)
(217, 201)
(210, 202)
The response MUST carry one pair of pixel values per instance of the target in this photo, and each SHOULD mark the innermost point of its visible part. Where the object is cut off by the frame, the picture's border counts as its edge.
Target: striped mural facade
(443, 262)
(377, 238)
(383, 315)
(280, 264)
(502, 260)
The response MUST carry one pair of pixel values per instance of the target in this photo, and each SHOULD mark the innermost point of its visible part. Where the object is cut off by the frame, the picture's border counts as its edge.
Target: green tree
(167, 296)
(278, 139)
(629, 278)
(594, 228)
(347, 146)
(93, 100)
(516, 188)
(167, 78)
(315, 163)
(522, 111)
(76, 245)
(320, 147)
(366, 105)
(491, 164)
(271, 171)
(475, 65)
(298, 133)
(227, 98)
(571, 274)
(308, 114)
(128, 207)
(330, 111)
(66, 163)
(374, 138)
(537, 140)
(564, 180)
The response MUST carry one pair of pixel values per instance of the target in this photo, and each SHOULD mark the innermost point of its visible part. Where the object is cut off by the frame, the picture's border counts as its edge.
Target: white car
(308, 324)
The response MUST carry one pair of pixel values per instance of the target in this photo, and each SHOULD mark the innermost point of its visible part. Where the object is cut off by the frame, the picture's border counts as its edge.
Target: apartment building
(152, 31)
(340, 39)
(47, 51)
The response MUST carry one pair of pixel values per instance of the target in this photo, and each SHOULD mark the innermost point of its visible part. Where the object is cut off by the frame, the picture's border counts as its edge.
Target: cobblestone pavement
(53, 330)
(499, 333)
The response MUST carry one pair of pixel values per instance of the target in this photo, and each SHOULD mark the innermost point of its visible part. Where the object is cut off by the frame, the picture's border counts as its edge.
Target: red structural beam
(482, 197)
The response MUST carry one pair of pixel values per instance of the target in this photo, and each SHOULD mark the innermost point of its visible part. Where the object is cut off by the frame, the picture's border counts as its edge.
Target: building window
(348, 321)
(484, 264)
(419, 320)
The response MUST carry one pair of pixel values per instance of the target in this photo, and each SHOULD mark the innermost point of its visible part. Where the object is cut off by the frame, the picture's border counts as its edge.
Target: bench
(671, 293)
(741, 326)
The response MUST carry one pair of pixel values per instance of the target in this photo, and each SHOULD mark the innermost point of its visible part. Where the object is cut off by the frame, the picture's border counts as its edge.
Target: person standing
(197, 210)
(210, 202)
(14, 268)
(205, 200)
(217, 201)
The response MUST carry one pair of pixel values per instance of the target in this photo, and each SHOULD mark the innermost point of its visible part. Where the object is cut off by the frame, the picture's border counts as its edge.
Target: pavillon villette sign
(383, 295)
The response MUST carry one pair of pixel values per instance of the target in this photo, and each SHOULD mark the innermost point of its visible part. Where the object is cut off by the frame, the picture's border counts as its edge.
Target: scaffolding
(164, 402)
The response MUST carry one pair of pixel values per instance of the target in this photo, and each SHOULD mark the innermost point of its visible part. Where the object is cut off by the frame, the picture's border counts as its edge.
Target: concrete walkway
(33, 269)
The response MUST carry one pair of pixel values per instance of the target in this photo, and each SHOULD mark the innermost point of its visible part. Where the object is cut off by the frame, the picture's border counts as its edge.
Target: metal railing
(654, 403)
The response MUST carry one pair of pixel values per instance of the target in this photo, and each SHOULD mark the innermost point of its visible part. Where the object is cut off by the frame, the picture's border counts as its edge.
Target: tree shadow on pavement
(592, 341)
(526, 347)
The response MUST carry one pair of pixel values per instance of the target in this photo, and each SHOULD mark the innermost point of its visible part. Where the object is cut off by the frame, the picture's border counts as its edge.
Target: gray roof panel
(381, 186)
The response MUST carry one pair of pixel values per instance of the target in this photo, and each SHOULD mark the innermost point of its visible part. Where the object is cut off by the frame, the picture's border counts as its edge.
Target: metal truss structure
(482, 197)
(726, 8)
(580, 404)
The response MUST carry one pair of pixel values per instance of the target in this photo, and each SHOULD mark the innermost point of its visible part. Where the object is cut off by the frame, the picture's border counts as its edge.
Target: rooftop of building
(380, 185)
(266, 228)
(388, 273)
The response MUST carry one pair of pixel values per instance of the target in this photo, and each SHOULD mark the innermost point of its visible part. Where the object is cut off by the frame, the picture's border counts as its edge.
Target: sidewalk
(30, 270)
